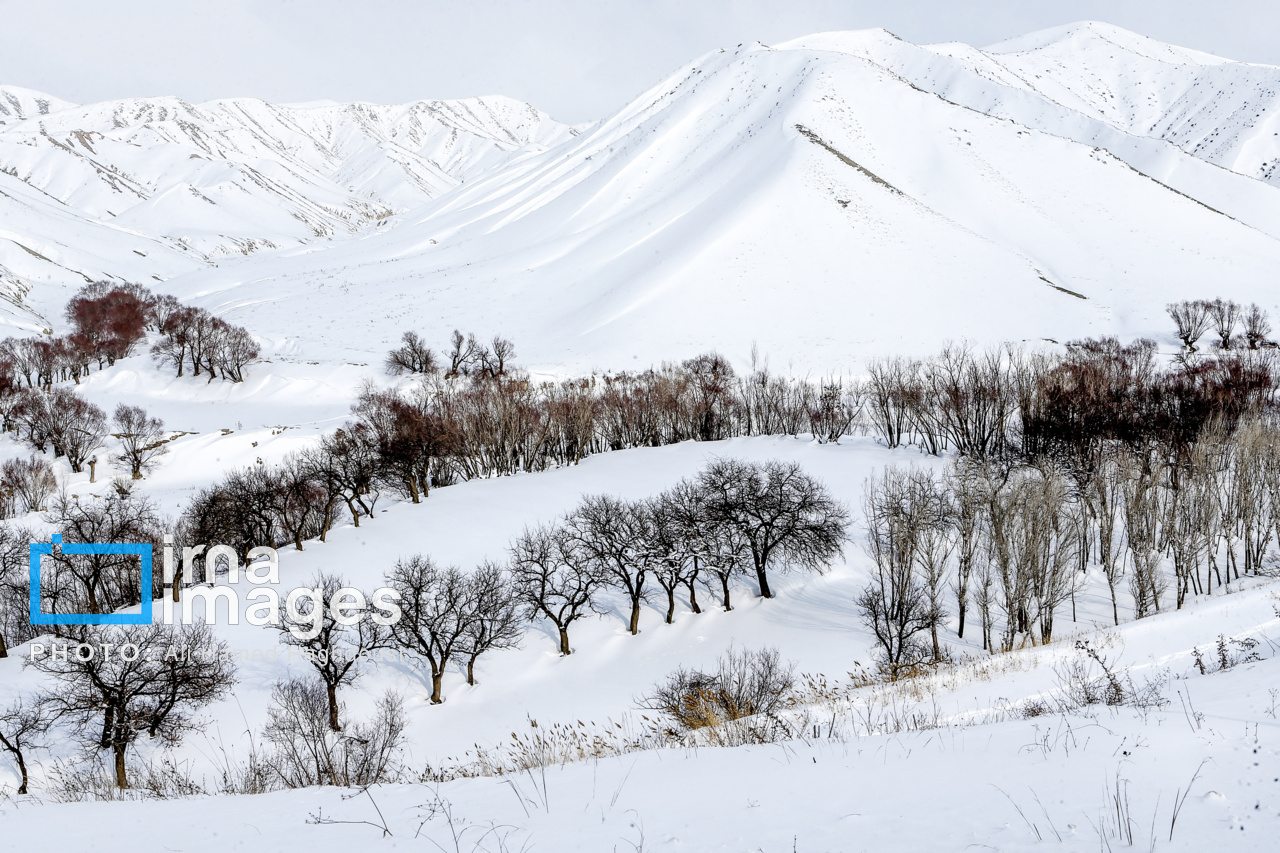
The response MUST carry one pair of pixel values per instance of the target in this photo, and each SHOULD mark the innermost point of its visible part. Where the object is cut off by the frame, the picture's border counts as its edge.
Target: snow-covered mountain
(1064, 184)
(180, 184)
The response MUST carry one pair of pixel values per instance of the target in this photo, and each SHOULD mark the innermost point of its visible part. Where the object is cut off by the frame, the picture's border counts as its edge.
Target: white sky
(577, 59)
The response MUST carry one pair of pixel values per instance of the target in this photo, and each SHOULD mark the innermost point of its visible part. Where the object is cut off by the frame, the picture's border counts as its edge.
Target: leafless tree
(141, 439)
(412, 356)
(1107, 503)
(28, 482)
(554, 579)
(1225, 315)
(1256, 326)
(611, 535)
(100, 583)
(892, 389)
(1141, 485)
(494, 622)
(120, 682)
(15, 587)
(1192, 319)
(309, 750)
(464, 354)
(335, 641)
(496, 359)
(964, 483)
(347, 462)
(786, 518)
(74, 426)
(22, 729)
(895, 605)
(437, 607)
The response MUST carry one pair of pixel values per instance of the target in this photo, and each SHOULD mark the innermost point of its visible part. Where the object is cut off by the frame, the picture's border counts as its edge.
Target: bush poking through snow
(745, 684)
(309, 751)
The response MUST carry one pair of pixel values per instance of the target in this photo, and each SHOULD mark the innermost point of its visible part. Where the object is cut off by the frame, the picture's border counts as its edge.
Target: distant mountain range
(836, 197)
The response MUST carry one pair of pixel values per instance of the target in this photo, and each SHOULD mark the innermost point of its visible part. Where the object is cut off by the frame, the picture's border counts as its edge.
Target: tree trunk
(436, 678)
(22, 771)
(960, 633)
(634, 627)
(333, 707)
(355, 515)
(413, 489)
(724, 583)
(4, 650)
(671, 605)
(471, 670)
(693, 599)
(564, 642)
(108, 721)
(122, 781)
(763, 578)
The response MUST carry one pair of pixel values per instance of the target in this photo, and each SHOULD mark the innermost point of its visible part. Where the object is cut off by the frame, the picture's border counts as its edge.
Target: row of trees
(734, 518)
(466, 356)
(109, 320)
(62, 421)
(1016, 541)
(1195, 317)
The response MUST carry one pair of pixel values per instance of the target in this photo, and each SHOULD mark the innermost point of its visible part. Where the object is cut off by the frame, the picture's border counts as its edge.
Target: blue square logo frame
(142, 551)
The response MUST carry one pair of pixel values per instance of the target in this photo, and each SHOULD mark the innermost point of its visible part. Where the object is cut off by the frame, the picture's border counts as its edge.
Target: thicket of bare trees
(109, 321)
(99, 583)
(15, 587)
(1014, 538)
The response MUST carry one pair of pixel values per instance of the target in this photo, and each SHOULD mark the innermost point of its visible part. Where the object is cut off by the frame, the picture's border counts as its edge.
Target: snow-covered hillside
(1066, 184)
(841, 197)
(147, 188)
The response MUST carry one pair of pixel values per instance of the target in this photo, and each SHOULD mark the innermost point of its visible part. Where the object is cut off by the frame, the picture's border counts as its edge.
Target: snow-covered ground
(840, 197)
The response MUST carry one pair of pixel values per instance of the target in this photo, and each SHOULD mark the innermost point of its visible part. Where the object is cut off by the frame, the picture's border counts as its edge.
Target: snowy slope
(1038, 190)
(796, 198)
(970, 754)
(228, 177)
(1223, 112)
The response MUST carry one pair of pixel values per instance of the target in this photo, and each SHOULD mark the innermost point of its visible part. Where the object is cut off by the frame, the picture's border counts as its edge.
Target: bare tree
(1192, 319)
(141, 439)
(22, 728)
(29, 483)
(118, 683)
(897, 604)
(611, 535)
(1224, 314)
(309, 751)
(1256, 326)
(100, 583)
(412, 356)
(553, 579)
(334, 640)
(15, 587)
(787, 518)
(437, 607)
(964, 484)
(74, 426)
(495, 621)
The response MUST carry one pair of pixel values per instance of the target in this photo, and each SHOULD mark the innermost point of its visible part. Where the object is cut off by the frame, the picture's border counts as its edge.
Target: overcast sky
(577, 59)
